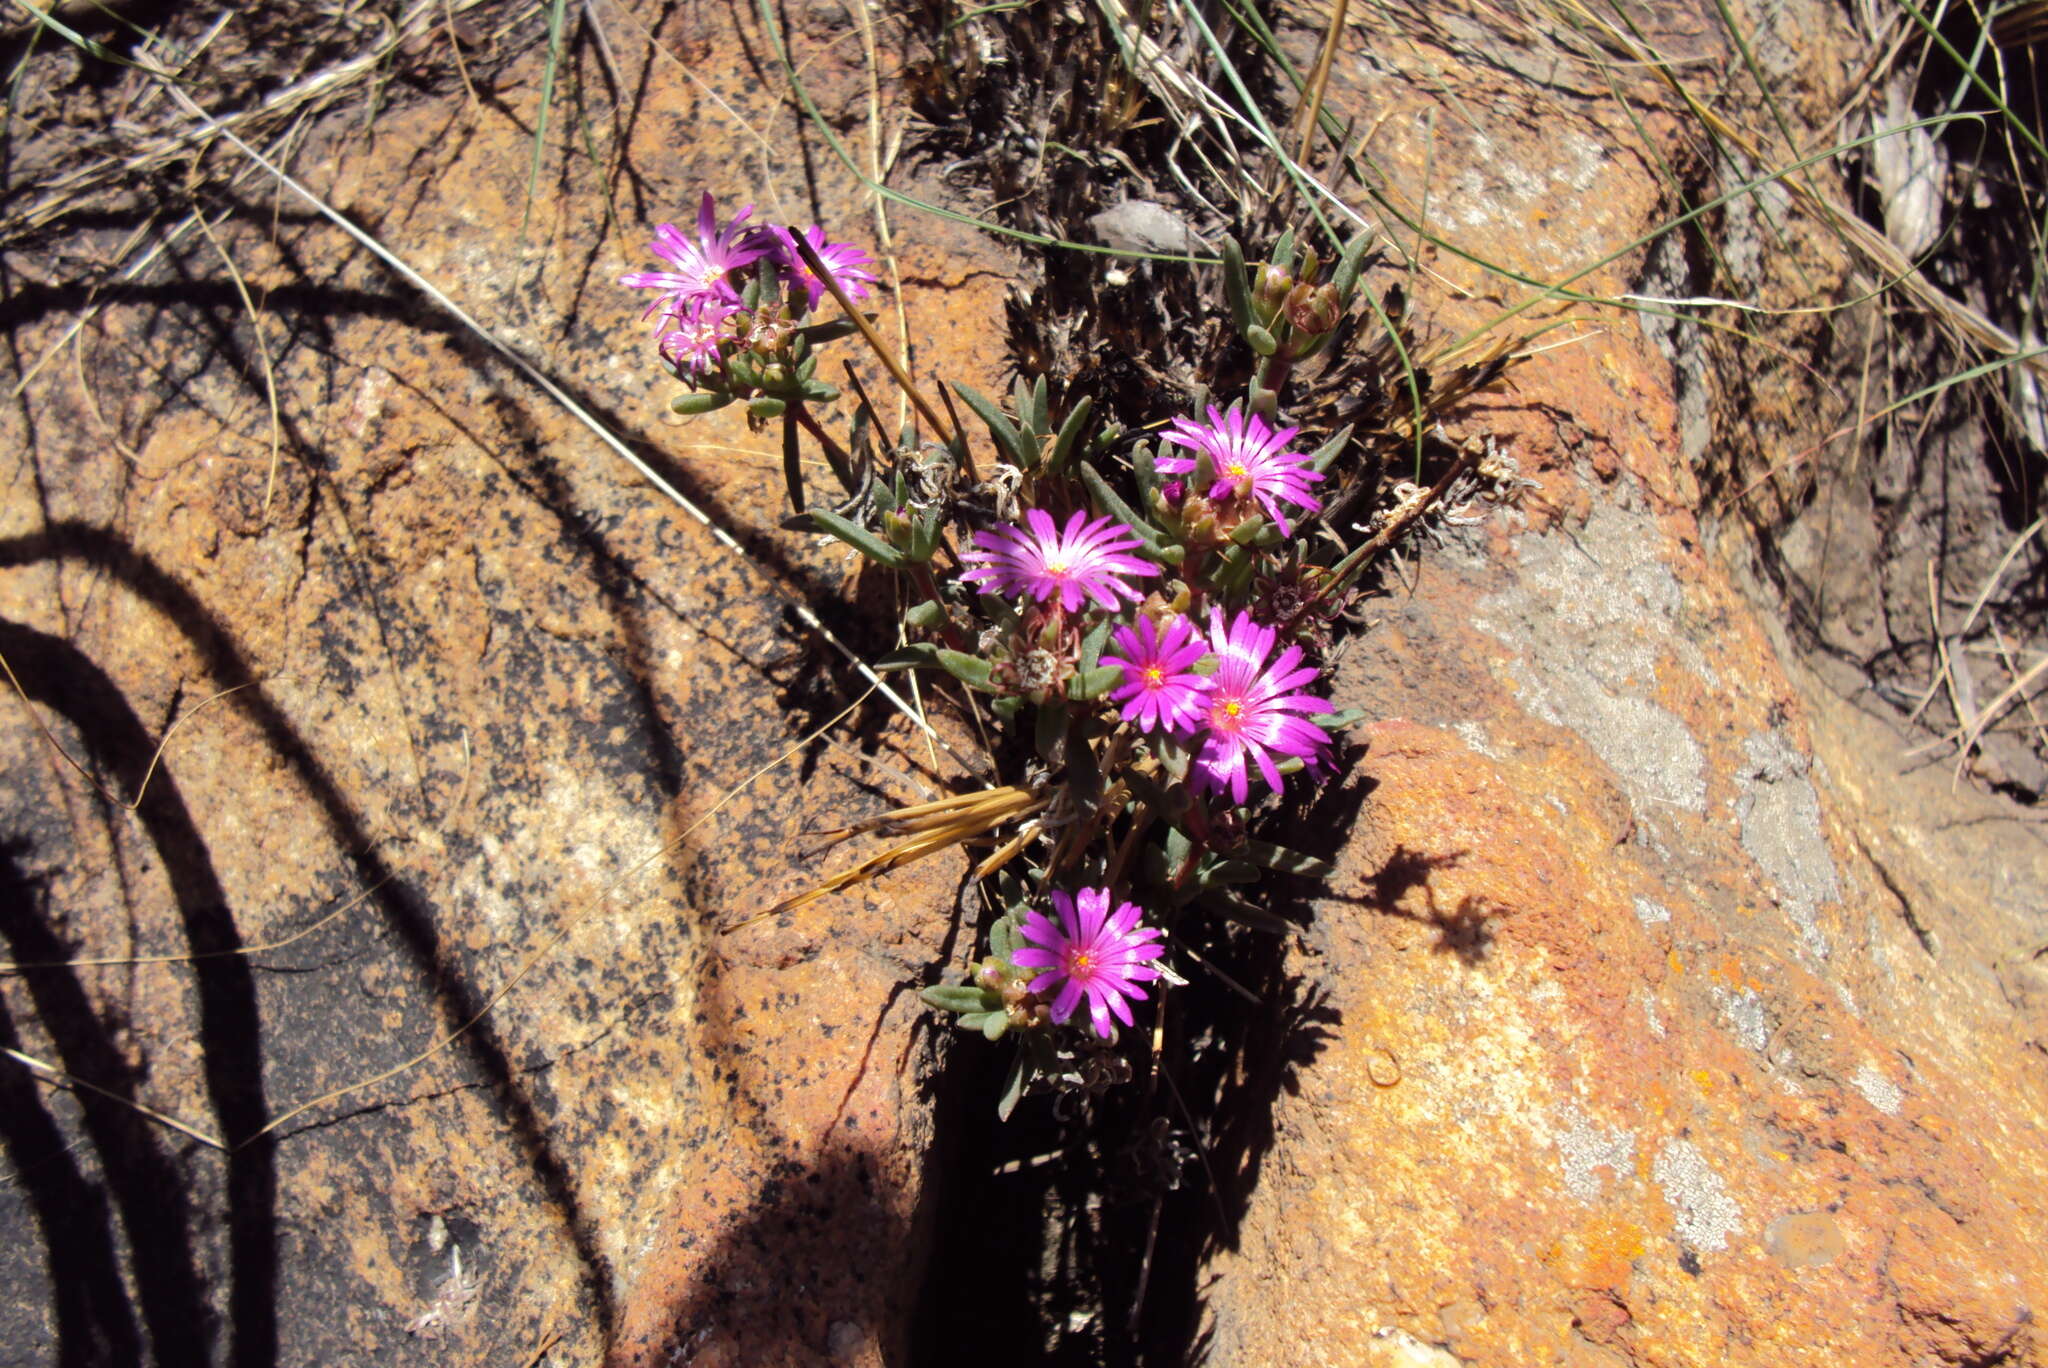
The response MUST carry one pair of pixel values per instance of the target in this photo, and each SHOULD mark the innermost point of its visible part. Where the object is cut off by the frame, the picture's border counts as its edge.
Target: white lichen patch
(1743, 1012)
(1780, 818)
(1584, 1146)
(1474, 735)
(1651, 913)
(1879, 1091)
(1396, 1348)
(1593, 615)
(1706, 1214)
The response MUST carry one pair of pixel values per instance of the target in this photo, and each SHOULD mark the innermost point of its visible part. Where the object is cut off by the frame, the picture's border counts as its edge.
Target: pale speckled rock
(1641, 1055)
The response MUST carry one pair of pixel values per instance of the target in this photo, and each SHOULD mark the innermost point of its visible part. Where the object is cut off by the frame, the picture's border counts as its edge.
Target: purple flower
(1160, 686)
(1097, 955)
(1247, 455)
(692, 346)
(701, 267)
(850, 266)
(1076, 563)
(1251, 709)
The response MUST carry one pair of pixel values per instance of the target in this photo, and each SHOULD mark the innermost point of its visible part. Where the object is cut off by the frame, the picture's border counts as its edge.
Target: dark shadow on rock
(1462, 930)
(789, 1279)
(94, 1322)
(57, 675)
(402, 908)
(1090, 1218)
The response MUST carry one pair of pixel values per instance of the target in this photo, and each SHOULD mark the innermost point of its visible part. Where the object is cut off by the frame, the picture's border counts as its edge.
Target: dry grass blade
(936, 826)
(1992, 711)
(1976, 607)
(126, 804)
(881, 350)
(56, 1077)
(153, 154)
(262, 351)
(1878, 250)
(1319, 82)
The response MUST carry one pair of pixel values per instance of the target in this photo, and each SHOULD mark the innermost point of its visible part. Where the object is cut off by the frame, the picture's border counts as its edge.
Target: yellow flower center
(1154, 676)
(1056, 568)
(1081, 963)
(1233, 708)
(1235, 470)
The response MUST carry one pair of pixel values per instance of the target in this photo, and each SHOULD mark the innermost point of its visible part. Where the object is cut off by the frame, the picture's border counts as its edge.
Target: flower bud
(898, 528)
(1270, 289)
(1314, 309)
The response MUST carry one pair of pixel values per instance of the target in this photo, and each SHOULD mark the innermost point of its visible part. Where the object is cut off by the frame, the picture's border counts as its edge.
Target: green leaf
(1019, 452)
(1002, 937)
(1234, 569)
(926, 615)
(1286, 861)
(857, 537)
(1108, 501)
(961, 997)
(917, 655)
(1070, 433)
(766, 406)
(1242, 912)
(1088, 685)
(978, 1021)
(1283, 252)
(1147, 471)
(1007, 708)
(1329, 451)
(1247, 532)
(969, 670)
(1334, 722)
(817, 391)
(1235, 289)
(998, 611)
(1049, 732)
(994, 1024)
(1092, 644)
(1261, 340)
(1346, 278)
(1013, 1085)
(828, 332)
(1178, 845)
(1224, 872)
(699, 401)
(925, 531)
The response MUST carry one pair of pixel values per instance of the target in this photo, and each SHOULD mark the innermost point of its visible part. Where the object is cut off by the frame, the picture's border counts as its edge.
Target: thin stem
(874, 340)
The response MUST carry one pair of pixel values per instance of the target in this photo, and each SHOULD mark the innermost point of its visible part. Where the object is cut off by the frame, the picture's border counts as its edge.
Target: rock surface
(491, 694)
(1674, 1012)
(1666, 1017)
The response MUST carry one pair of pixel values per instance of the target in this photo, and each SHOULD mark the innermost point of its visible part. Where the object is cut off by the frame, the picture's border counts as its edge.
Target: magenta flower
(1248, 455)
(1076, 563)
(1160, 685)
(1252, 711)
(692, 345)
(1088, 952)
(701, 267)
(850, 266)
